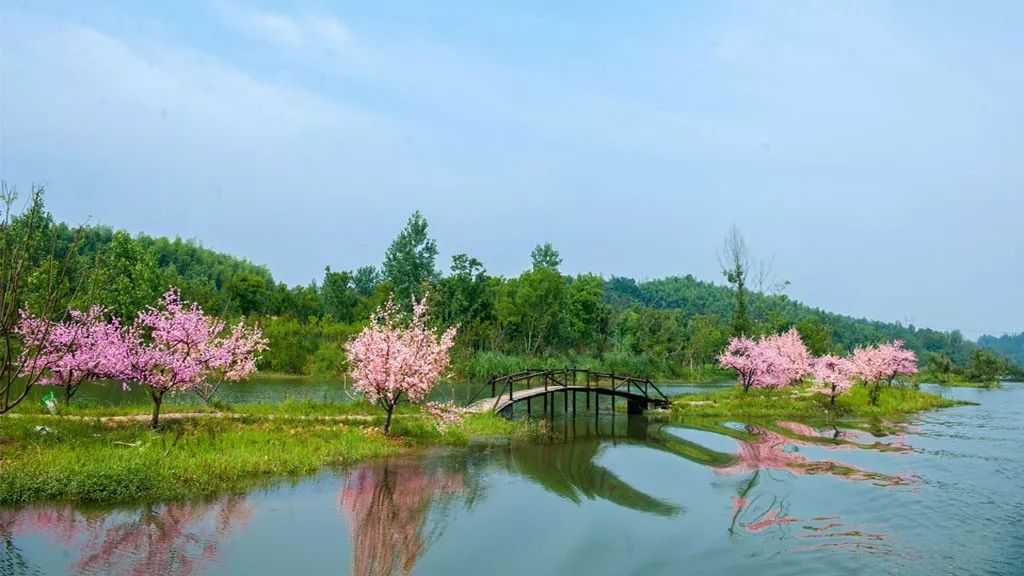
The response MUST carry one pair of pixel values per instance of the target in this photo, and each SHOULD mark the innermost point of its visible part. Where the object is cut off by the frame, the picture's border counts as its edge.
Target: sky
(872, 151)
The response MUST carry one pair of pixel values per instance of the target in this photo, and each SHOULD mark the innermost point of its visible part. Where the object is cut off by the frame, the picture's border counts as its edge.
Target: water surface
(602, 495)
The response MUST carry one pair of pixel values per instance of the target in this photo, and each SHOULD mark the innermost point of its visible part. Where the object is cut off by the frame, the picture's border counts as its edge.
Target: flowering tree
(883, 363)
(398, 356)
(834, 375)
(794, 355)
(771, 362)
(84, 346)
(176, 347)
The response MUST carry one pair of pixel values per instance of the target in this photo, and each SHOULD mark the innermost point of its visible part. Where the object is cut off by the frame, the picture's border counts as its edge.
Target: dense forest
(671, 327)
(1009, 345)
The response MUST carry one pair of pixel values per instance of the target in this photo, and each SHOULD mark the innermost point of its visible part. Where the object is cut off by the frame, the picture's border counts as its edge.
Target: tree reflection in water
(175, 538)
(388, 505)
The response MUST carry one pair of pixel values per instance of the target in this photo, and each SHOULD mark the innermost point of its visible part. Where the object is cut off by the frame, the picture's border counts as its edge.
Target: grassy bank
(85, 458)
(799, 403)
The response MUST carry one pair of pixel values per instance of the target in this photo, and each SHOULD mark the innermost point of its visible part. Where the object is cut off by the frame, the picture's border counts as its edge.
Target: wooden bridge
(544, 383)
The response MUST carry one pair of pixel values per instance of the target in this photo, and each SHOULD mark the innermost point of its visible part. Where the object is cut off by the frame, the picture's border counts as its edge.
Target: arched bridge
(545, 383)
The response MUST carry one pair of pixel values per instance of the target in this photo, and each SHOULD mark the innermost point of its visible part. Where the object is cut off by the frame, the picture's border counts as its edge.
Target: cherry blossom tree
(176, 347)
(794, 355)
(398, 356)
(84, 346)
(885, 362)
(773, 361)
(834, 376)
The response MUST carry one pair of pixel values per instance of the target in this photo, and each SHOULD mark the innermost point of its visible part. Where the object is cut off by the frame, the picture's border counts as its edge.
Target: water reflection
(397, 508)
(777, 447)
(388, 504)
(175, 538)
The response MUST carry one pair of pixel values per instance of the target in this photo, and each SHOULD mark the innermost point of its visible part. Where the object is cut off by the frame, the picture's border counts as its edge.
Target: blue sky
(872, 149)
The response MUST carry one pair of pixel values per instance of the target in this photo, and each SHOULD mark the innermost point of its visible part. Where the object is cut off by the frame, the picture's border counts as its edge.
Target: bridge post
(565, 401)
(545, 401)
(529, 406)
(574, 402)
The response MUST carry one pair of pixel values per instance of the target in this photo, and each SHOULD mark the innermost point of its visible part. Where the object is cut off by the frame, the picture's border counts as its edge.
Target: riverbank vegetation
(803, 403)
(87, 457)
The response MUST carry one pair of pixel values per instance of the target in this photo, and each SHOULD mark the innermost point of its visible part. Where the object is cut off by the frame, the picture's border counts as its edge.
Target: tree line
(670, 327)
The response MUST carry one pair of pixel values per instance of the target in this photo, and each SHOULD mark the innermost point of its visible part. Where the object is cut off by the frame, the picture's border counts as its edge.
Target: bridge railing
(564, 378)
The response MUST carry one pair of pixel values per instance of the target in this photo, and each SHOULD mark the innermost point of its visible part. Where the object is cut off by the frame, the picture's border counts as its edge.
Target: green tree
(706, 336)
(126, 278)
(464, 298)
(985, 367)
(340, 296)
(585, 310)
(248, 293)
(817, 335)
(735, 263)
(545, 256)
(365, 280)
(409, 261)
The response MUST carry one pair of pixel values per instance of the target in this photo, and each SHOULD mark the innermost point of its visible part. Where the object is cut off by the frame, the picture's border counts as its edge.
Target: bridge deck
(499, 403)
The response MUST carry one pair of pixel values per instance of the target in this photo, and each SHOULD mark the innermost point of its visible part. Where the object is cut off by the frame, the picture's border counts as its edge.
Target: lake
(607, 494)
(275, 389)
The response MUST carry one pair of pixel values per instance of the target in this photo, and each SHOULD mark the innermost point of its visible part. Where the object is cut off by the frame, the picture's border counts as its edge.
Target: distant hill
(693, 296)
(1009, 345)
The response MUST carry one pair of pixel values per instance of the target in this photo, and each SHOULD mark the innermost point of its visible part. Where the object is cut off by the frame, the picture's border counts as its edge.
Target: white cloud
(305, 31)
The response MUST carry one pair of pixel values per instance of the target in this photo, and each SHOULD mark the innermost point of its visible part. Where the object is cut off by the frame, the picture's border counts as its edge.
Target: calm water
(276, 389)
(941, 495)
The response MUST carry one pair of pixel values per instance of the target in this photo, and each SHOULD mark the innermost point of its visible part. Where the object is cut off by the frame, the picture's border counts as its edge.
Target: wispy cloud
(294, 31)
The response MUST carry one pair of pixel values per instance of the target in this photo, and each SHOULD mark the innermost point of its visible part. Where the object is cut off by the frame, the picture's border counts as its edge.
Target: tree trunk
(874, 394)
(157, 398)
(387, 419)
(67, 396)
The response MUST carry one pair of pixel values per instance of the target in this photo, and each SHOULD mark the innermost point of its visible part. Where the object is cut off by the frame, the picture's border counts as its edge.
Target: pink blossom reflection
(174, 539)
(387, 505)
(773, 450)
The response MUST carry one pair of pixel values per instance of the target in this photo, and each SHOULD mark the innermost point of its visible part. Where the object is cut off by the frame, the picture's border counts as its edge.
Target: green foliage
(409, 261)
(817, 335)
(340, 296)
(126, 278)
(1009, 345)
(986, 367)
(545, 256)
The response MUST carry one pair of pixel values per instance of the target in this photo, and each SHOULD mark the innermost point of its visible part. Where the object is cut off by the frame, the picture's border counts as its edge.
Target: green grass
(86, 459)
(797, 403)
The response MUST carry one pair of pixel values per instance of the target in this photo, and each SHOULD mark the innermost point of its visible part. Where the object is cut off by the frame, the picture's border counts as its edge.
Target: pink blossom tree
(794, 355)
(176, 347)
(398, 356)
(885, 362)
(82, 347)
(771, 362)
(834, 376)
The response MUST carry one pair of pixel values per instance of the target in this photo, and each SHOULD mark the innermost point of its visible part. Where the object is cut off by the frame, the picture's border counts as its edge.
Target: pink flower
(396, 356)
